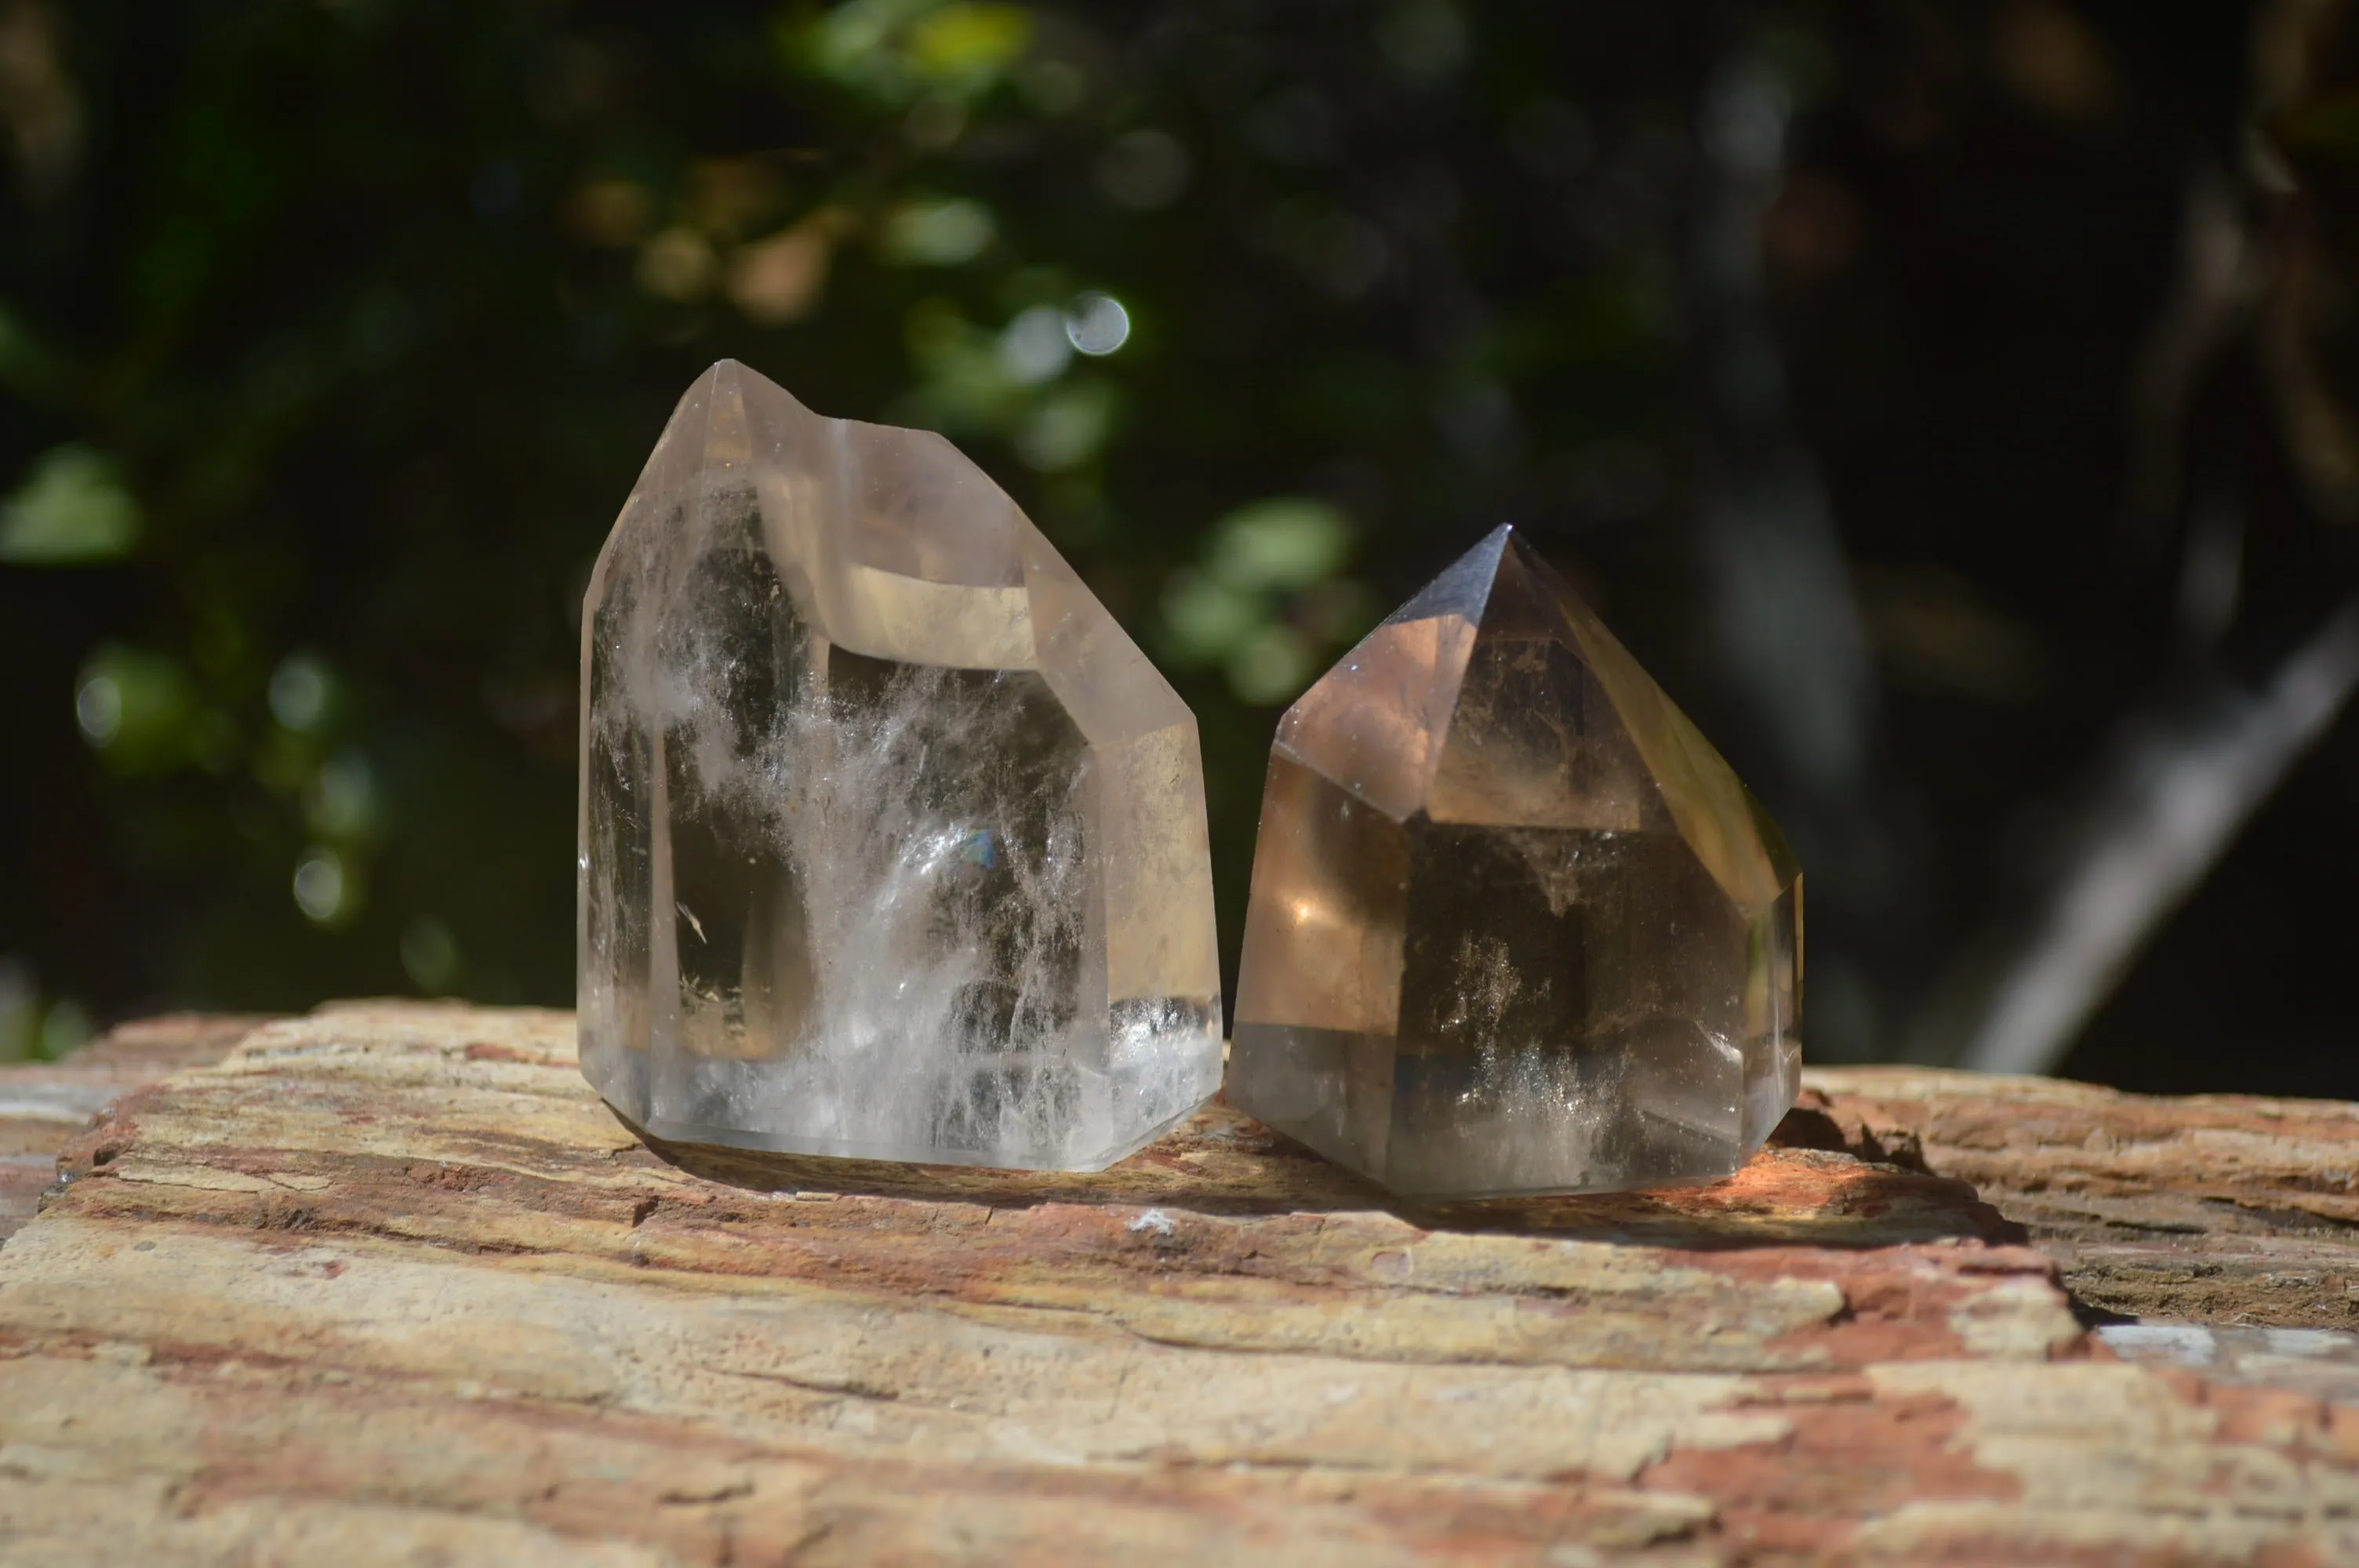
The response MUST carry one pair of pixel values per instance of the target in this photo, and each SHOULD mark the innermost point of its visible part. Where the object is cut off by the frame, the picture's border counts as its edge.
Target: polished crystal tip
(1514, 926)
(892, 844)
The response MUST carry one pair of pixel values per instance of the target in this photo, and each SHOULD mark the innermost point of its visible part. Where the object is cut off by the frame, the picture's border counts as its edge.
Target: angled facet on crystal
(1514, 925)
(892, 843)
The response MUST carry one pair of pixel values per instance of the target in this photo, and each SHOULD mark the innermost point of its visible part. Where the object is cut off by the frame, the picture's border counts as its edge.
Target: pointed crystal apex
(1464, 588)
(1617, 726)
(892, 842)
(1374, 724)
(1514, 925)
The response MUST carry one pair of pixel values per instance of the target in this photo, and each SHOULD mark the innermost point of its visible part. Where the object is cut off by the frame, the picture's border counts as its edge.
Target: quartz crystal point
(892, 844)
(1514, 926)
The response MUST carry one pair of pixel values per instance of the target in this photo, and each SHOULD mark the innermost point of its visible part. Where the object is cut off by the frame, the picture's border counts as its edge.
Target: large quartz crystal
(1515, 927)
(892, 844)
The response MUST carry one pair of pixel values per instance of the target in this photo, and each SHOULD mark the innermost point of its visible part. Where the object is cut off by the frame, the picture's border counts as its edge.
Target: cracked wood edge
(390, 1282)
(44, 1104)
(2223, 1209)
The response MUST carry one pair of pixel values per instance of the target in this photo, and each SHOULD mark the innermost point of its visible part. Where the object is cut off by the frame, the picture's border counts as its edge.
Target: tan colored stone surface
(43, 1104)
(2209, 1208)
(390, 1285)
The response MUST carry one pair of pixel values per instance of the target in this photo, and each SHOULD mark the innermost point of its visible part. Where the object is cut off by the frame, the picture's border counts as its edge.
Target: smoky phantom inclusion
(1514, 926)
(892, 843)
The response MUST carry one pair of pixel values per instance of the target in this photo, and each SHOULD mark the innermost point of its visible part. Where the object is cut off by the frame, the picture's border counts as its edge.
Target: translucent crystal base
(1515, 927)
(892, 844)
(899, 1150)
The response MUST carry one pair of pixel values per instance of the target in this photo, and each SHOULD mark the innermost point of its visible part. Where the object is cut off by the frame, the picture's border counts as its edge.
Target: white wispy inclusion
(893, 845)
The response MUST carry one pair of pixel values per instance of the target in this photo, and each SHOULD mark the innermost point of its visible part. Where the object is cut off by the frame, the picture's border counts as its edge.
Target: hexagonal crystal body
(892, 843)
(1514, 925)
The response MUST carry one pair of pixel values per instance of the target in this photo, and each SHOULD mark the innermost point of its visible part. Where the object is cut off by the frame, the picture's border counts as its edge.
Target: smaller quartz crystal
(1515, 927)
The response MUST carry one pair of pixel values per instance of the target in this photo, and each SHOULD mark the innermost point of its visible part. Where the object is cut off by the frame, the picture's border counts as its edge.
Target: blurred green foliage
(71, 508)
(332, 333)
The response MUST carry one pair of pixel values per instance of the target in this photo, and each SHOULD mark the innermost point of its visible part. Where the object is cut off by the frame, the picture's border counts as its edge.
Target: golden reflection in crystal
(888, 616)
(1325, 919)
(1372, 725)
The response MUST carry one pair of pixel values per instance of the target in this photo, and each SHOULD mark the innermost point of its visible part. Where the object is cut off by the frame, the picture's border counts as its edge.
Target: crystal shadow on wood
(1221, 1163)
(1514, 926)
(892, 843)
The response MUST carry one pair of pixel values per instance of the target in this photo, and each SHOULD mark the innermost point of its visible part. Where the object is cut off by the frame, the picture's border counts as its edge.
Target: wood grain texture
(44, 1104)
(2205, 1208)
(390, 1285)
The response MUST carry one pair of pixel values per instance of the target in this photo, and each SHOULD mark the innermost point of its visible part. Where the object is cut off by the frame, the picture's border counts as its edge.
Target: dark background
(1950, 402)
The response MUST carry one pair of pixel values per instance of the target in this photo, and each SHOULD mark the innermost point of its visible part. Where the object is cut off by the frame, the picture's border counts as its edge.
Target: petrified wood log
(390, 1284)
(2219, 1208)
(43, 1105)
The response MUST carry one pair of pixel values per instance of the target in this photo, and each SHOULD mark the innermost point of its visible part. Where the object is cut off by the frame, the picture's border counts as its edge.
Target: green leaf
(939, 233)
(71, 509)
(1280, 544)
(1273, 666)
(852, 43)
(1206, 619)
(139, 710)
(1068, 429)
(967, 46)
(66, 1030)
(895, 51)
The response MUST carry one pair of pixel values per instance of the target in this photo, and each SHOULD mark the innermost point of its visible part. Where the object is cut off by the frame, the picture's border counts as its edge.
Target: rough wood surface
(390, 1285)
(2210, 1208)
(44, 1104)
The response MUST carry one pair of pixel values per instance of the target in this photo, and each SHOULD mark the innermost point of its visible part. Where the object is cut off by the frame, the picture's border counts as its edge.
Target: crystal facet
(1514, 926)
(892, 843)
